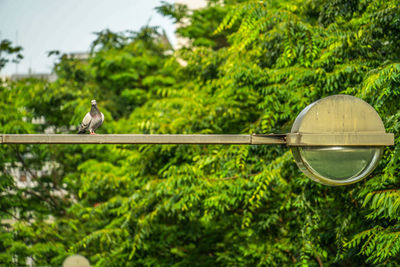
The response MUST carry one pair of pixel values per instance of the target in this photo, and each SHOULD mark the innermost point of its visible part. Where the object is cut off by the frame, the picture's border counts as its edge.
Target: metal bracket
(340, 139)
(268, 139)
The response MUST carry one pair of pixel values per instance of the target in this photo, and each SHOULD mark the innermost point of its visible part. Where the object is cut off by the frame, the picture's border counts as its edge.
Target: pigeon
(92, 120)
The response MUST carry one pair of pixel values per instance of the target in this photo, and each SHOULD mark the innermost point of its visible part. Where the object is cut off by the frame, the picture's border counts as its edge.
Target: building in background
(192, 5)
(51, 77)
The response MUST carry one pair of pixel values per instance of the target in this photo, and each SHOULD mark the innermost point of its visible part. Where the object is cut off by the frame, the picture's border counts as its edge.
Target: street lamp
(337, 140)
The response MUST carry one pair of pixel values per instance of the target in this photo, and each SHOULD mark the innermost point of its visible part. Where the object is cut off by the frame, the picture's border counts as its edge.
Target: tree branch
(231, 178)
(318, 259)
(21, 159)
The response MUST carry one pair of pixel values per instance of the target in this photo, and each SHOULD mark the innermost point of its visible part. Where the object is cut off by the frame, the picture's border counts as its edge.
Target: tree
(212, 205)
(9, 50)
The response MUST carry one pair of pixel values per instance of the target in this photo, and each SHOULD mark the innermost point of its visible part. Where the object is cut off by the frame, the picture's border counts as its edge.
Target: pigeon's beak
(93, 102)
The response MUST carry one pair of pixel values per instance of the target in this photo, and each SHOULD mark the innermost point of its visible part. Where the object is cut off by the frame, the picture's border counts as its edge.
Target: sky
(40, 26)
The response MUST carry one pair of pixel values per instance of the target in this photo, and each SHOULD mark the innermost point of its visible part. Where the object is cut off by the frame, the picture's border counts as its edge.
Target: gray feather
(85, 123)
(96, 122)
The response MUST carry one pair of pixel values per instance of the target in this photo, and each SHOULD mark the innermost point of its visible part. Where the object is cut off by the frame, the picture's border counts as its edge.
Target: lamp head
(338, 140)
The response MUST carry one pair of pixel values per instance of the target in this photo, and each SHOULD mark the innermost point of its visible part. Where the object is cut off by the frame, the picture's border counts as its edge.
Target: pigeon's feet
(93, 133)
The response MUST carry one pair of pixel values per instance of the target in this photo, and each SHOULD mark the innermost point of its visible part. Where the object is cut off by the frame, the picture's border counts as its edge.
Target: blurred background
(192, 67)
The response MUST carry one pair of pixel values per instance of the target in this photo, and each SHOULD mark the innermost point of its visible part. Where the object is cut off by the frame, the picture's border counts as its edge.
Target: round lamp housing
(338, 140)
(76, 261)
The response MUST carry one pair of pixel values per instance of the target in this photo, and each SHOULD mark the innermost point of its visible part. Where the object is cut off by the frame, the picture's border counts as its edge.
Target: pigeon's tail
(81, 131)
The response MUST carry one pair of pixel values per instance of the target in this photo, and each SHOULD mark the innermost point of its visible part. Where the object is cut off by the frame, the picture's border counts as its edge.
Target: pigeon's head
(93, 102)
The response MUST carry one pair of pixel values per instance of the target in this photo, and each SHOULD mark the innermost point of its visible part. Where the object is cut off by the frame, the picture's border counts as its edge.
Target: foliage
(147, 205)
(198, 25)
(6, 50)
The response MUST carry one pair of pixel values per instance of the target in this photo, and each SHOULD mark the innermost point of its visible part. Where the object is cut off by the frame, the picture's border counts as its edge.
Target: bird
(92, 120)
